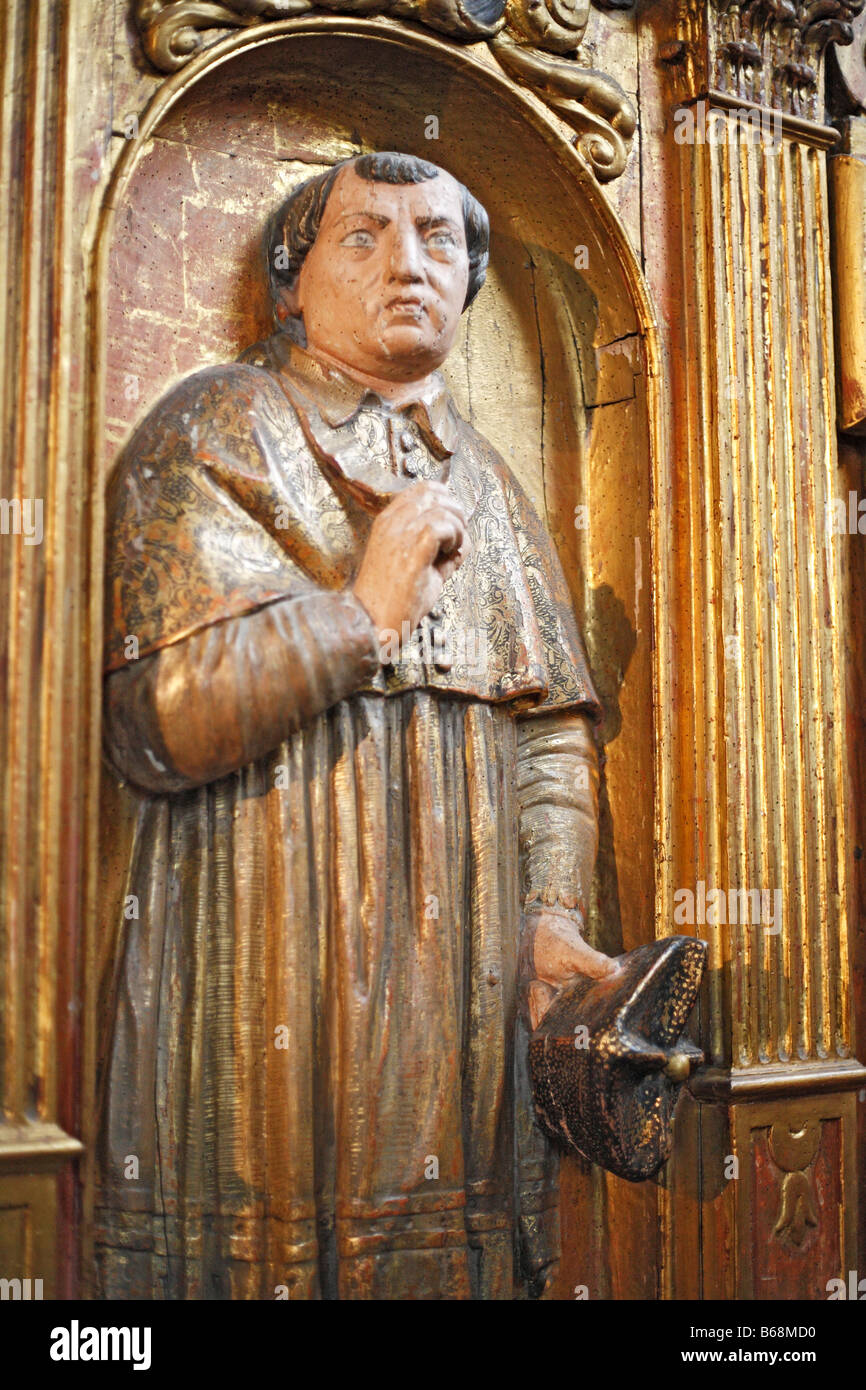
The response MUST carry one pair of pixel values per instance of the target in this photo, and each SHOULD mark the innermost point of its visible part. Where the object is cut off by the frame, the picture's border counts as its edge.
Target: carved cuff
(231, 693)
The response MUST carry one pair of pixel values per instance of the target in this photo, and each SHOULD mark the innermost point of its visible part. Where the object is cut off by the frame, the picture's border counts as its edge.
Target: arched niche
(555, 364)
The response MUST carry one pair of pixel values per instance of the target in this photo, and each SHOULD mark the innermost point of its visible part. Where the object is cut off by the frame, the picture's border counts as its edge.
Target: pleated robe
(313, 1076)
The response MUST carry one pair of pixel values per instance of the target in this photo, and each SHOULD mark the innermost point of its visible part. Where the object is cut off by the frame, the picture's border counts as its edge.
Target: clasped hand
(552, 954)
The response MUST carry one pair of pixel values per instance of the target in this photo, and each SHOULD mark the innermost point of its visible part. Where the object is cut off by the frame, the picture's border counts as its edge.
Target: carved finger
(540, 996)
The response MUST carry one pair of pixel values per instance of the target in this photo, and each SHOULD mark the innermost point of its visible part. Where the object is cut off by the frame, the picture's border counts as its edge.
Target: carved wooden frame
(53, 145)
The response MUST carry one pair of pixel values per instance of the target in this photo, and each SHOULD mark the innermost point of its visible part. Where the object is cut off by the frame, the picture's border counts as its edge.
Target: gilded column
(760, 853)
(42, 709)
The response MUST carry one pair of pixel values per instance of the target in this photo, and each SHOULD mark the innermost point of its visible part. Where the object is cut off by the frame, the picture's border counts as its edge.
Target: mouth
(410, 304)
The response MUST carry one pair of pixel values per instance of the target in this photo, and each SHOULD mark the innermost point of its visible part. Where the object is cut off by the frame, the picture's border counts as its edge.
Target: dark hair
(294, 225)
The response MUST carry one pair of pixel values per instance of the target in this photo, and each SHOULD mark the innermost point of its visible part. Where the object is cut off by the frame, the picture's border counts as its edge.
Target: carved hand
(415, 544)
(552, 953)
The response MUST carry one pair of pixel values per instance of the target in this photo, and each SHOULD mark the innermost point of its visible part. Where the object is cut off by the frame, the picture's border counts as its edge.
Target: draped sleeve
(228, 625)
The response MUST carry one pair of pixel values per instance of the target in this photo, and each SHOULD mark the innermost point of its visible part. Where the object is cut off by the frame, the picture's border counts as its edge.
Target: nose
(405, 260)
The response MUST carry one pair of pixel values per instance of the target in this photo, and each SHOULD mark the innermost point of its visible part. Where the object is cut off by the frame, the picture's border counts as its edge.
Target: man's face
(383, 287)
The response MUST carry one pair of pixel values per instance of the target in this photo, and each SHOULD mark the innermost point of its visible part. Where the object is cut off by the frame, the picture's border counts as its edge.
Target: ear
(288, 305)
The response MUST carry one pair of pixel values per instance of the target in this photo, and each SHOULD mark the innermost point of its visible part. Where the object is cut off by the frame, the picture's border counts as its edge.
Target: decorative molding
(535, 43)
(36, 1146)
(739, 1085)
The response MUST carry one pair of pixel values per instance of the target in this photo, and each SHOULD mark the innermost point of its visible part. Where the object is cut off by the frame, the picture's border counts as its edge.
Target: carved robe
(312, 1045)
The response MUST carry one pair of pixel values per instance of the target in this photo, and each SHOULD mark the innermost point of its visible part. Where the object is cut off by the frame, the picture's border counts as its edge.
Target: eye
(442, 240)
(359, 237)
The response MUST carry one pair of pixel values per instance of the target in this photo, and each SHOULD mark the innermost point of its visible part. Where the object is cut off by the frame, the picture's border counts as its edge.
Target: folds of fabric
(224, 503)
(315, 1060)
(313, 1080)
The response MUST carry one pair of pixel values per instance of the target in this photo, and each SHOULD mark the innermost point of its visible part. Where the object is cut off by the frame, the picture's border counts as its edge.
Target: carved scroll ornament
(535, 41)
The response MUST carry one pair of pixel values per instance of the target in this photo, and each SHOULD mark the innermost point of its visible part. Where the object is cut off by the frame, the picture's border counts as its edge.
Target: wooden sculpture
(343, 672)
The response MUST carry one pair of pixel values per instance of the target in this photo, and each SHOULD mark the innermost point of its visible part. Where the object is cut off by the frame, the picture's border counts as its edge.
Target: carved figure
(360, 723)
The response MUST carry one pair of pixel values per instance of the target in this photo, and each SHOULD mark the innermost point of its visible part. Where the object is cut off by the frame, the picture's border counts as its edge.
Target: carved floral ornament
(535, 41)
(794, 1149)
